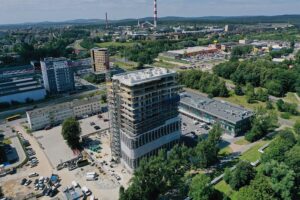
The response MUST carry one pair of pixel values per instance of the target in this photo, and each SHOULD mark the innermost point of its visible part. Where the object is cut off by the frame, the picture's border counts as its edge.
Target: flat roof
(142, 76)
(217, 108)
(192, 50)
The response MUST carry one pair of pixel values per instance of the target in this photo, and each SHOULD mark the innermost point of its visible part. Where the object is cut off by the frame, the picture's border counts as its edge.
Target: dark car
(96, 127)
(23, 181)
(53, 193)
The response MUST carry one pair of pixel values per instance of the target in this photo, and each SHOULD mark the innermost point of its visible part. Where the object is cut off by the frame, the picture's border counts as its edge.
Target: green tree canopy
(259, 189)
(200, 188)
(71, 133)
(281, 177)
(283, 143)
(241, 176)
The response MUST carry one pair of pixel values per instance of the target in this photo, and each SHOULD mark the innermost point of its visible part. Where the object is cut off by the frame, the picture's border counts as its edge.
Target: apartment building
(56, 114)
(58, 76)
(100, 59)
(143, 108)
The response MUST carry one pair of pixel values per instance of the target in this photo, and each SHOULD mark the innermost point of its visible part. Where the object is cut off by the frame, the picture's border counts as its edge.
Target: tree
(200, 188)
(292, 159)
(159, 175)
(263, 122)
(283, 143)
(269, 105)
(238, 90)
(104, 98)
(259, 189)
(71, 133)
(297, 127)
(281, 178)
(206, 152)
(241, 176)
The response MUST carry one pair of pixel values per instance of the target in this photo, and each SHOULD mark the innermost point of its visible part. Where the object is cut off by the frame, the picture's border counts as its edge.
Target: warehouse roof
(219, 109)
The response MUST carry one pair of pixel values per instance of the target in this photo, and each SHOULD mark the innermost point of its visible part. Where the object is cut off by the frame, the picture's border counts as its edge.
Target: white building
(56, 114)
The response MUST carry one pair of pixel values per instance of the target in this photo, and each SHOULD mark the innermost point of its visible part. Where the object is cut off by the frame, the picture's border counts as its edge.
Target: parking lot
(60, 152)
(189, 125)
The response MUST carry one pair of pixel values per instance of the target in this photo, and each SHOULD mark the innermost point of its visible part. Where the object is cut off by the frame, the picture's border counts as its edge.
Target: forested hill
(294, 19)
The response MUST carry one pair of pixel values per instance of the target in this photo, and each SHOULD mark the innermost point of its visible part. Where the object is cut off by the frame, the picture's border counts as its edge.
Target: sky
(20, 11)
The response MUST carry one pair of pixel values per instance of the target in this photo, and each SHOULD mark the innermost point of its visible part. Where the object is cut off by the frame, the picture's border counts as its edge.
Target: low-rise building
(190, 51)
(21, 90)
(233, 119)
(56, 114)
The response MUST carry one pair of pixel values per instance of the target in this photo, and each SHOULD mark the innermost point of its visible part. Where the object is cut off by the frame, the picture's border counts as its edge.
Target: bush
(285, 115)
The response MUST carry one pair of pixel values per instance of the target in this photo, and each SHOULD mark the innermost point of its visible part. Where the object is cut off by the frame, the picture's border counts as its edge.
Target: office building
(56, 114)
(234, 120)
(58, 75)
(143, 109)
(21, 90)
(100, 59)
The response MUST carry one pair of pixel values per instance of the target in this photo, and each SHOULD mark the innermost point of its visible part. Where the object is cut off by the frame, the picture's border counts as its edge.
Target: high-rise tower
(155, 13)
(143, 109)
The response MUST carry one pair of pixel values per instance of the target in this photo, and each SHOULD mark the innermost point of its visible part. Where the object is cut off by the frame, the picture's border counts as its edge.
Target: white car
(86, 191)
(75, 184)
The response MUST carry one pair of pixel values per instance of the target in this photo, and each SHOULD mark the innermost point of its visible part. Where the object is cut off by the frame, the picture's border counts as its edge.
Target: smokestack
(106, 20)
(155, 13)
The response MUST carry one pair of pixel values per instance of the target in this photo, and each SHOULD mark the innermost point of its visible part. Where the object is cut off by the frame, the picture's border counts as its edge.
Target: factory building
(143, 109)
(234, 120)
(21, 90)
(56, 114)
(58, 76)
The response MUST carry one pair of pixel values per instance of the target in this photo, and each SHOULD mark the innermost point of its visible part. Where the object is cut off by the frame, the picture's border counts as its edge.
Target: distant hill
(209, 19)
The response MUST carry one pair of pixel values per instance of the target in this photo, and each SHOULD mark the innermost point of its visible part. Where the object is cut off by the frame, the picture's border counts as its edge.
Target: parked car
(28, 182)
(23, 181)
(96, 127)
(86, 191)
(34, 174)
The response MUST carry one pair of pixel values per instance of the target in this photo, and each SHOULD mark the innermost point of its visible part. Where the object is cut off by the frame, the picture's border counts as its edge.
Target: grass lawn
(242, 141)
(164, 65)
(223, 187)
(242, 101)
(291, 98)
(126, 65)
(116, 44)
(252, 154)
(225, 151)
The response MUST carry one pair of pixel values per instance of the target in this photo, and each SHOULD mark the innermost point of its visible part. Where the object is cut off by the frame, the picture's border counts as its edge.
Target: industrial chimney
(106, 20)
(155, 13)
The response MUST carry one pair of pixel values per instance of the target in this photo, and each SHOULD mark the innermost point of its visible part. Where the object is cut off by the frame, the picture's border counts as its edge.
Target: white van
(91, 174)
(91, 178)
